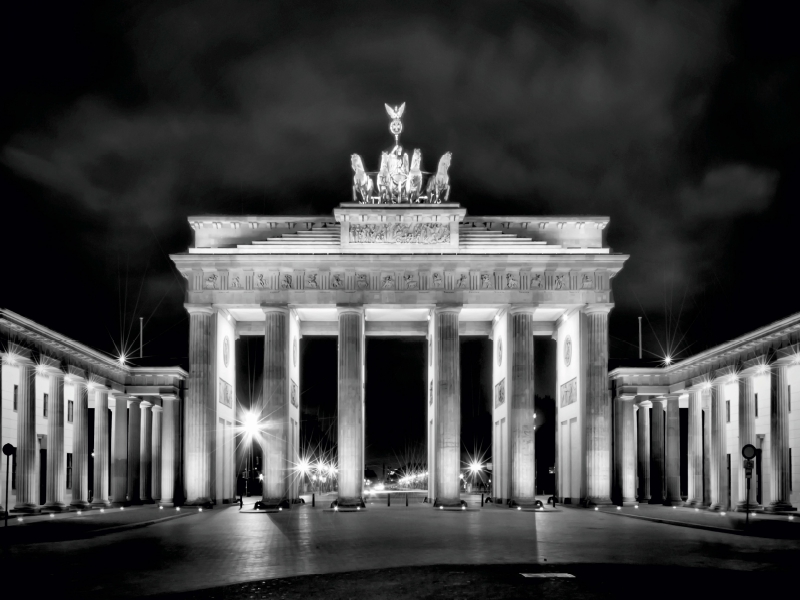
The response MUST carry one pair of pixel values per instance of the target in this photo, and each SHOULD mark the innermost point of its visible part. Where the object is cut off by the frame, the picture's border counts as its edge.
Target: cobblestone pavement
(223, 546)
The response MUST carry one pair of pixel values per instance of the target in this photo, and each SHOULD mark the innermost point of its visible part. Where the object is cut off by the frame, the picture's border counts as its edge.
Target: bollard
(481, 499)
(406, 498)
(313, 501)
(388, 499)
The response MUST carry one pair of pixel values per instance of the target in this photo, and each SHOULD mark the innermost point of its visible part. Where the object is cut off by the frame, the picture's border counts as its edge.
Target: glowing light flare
(121, 359)
(668, 360)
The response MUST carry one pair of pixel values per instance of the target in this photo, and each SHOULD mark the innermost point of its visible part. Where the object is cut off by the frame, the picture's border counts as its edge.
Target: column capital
(157, 408)
(644, 404)
(516, 309)
(198, 308)
(169, 397)
(590, 309)
(273, 308)
(47, 365)
(662, 400)
(17, 354)
(447, 308)
(75, 375)
(133, 400)
(342, 309)
(673, 396)
(790, 355)
(145, 404)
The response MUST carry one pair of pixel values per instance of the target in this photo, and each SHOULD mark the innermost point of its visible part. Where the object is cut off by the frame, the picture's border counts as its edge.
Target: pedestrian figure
(241, 503)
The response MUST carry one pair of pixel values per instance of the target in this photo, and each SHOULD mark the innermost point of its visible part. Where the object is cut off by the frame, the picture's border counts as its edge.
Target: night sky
(678, 120)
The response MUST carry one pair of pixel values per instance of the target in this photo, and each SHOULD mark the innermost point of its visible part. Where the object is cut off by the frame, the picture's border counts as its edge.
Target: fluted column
(673, 452)
(707, 449)
(277, 476)
(351, 405)
(780, 475)
(657, 452)
(80, 446)
(695, 450)
(27, 482)
(643, 454)
(169, 449)
(134, 449)
(200, 396)
(747, 435)
(56, 456)
(598, 407)
(521, 406)
(101, 458)
(119, 451)
(155, 454)
(627, 451)
(145, 452)
(447, 384)
(719, 471)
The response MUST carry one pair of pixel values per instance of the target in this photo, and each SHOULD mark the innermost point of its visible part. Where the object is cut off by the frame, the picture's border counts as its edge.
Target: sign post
(749, 453)
(8, 450)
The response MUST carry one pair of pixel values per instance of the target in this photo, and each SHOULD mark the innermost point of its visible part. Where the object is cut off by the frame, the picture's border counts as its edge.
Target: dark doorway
(42, 475)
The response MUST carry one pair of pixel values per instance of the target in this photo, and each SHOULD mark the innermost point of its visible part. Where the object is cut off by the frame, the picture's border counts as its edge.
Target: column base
(524, 503)
(350, 502)
(80, 505)
(204, 502)
(447, 502)
(597, 502)
(671, 502)
(693, 503)
(779, 507)
(716, 507)
(656, 501)
(169, 503)
(55, 507)
(26, 508)
(101, 504)
(629, 502)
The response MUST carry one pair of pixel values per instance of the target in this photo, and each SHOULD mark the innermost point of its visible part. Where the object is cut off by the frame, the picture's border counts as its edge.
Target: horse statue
(384, 179)
(362, 183)
(438, 189)
(414, 179)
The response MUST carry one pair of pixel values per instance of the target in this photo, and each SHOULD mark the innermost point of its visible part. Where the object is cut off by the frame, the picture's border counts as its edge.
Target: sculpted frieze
(399, 233)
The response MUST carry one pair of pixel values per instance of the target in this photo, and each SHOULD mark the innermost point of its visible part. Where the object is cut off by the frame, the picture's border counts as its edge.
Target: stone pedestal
(80, 446)
(200, 396)
(56, 456)
(695, 451)
(597, 425)
(169, 449)
(657, 452)
(643, 454)
(27, 481)
(521, 406)
(673, 452)
(351, 406)
(155, 455)
(119, 451)
(780, 478)
(134, 452)
(719, 471)
(145, 449)
(627, 451)
(101, 457)
(747, 435)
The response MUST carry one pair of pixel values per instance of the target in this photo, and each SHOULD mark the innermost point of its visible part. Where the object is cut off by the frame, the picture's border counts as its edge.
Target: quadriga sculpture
(362, 183)
(438, 188)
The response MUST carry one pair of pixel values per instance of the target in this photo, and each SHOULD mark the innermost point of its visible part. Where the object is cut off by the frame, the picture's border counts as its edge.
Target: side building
(88, 430)
(746, 391)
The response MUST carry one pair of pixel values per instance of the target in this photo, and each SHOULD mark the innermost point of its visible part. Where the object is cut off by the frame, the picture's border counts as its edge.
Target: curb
(683, 524)
(116, 528)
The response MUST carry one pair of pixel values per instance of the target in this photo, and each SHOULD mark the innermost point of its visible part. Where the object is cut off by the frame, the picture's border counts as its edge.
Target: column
(673, 452)
(707, 480)
(119, 451)
(747, 435)
(780, 475)
(155, 454)
(27, 482)
(626, 465)
(101, 458)
(695, 450)
(145, 449)
(598, 407)
(169, 449)
(719, 471)
(134, 445)
(521, 405)
(643, 453)
(447, 393)
(80, 446)
(56, 456)
(351, 405)
(200, 395)
(657, 452)
(276, 410)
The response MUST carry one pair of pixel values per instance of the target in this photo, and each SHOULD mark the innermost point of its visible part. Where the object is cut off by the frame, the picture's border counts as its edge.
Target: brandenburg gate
(401, 259)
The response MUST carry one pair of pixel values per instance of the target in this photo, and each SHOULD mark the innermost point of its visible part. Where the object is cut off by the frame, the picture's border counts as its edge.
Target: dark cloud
(579, 107)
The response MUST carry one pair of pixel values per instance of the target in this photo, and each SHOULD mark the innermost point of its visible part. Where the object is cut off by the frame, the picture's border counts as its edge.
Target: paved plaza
(224, 546)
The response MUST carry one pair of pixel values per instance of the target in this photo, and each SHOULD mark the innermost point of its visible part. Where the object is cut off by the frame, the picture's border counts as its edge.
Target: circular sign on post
(749, 451)
(8, 449)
